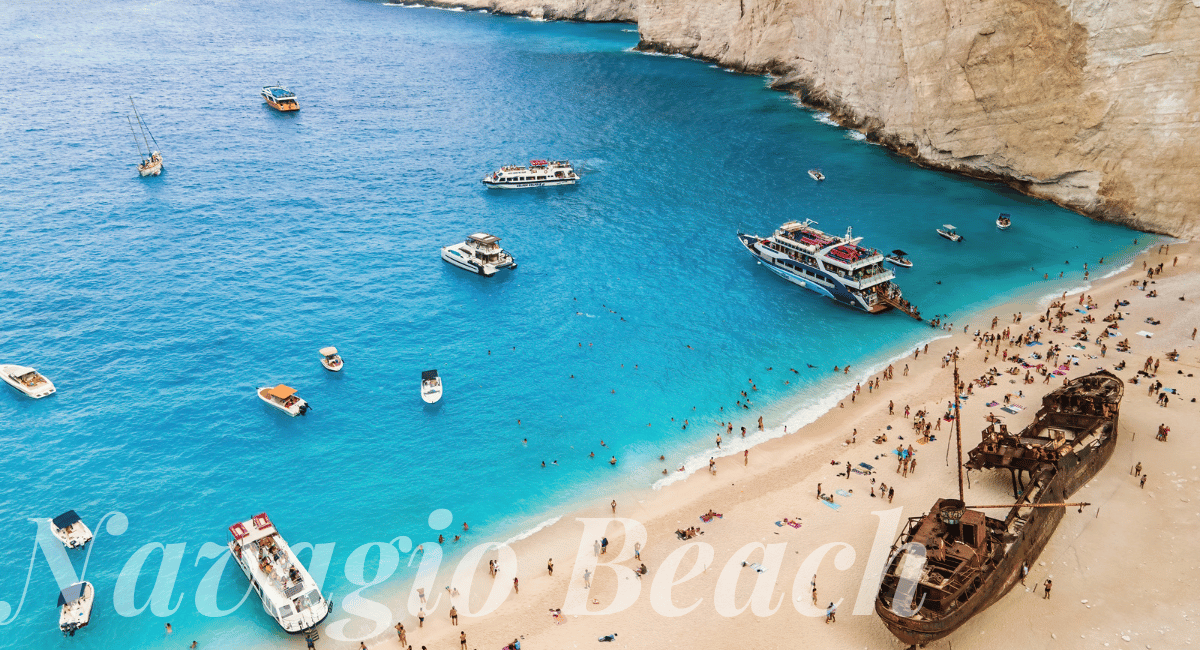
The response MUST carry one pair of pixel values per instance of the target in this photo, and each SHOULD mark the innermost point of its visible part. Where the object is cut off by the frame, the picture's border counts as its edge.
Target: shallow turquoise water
(157, 305)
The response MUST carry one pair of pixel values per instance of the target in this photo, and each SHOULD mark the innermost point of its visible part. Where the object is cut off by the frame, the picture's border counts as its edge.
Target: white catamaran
(152, 160)
(289, 594)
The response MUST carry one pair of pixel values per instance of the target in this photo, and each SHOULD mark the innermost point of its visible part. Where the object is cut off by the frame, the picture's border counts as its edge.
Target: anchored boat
(835, 267)
(899, 258)
(70, 530)
(280, 98)
(480, 253)
(289, 594)
(816, 175)
(431, 386)
(1003, 221)
(955, 561)
(950, 232)
(330, 359)
(152, 160)
(284, 398)
(75, 607)
(539, 173)
(26, 380)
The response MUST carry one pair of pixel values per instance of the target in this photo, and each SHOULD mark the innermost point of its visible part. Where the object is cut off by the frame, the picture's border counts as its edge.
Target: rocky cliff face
(1093, 104)
(600, 11)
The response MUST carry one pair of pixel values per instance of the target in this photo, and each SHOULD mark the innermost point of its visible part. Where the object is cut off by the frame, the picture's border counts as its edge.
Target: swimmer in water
(612, 461)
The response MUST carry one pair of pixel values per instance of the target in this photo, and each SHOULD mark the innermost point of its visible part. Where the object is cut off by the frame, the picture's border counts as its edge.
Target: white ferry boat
(288, 592)
(26, 380)
(283, 398)
(539, 173)
(835, 267)
(280, 98)
(75, 607)
(480, 253)
(70, 530)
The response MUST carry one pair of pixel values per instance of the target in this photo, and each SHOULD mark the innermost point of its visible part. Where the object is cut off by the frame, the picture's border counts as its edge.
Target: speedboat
(330, 359)
(75, 607)
(539, 173)
(280, 98)
(1003, 221)
(284, 398)
(480, 253)
(70, 530)
(835, 267)
(949, 232)
(289, 594)
(431, 386)
(816, 174)
(899, 258)
(26, 380)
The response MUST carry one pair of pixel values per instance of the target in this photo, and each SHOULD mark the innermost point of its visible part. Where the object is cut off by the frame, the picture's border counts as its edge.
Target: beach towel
(779, 523)
(857, 471)
(1033, 344)
(993, 404)
(706, 518)
(758, 568)
(1146, 334)
(831, 504)
(1079, 346)
(794, 524)
(1169, 390)
(864, 465)
(842, 493)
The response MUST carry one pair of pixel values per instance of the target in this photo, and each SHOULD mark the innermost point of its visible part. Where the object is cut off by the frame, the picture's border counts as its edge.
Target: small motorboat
(284, 398)
(1003, 221)
(280, 98)
(70, 530)
(26, 380)
(330, 359)
(899, 258)
(816, 174)
(431, 386)
(75, 603)
(949, 232)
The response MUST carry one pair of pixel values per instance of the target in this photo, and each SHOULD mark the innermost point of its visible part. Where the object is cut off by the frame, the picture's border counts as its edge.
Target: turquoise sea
(158, 305)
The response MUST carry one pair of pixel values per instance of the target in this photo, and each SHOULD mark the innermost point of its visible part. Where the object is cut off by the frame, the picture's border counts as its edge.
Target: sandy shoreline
(1091, 556)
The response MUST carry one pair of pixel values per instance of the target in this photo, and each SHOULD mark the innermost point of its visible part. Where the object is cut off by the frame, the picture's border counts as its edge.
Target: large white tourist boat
(152, 160)
(480, 253)
(539, 173)
(431, 386)
(70, 530)
(283, 398)
(26, 380)
(288, 592)
(280, 98)
(75, 607)
(835, 267)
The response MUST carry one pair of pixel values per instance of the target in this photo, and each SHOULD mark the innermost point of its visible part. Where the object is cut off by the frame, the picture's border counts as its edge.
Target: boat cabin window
(285, 611)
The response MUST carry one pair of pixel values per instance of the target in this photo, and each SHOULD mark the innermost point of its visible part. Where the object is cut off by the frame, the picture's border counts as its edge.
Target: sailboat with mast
(955, 561)
(152, 160)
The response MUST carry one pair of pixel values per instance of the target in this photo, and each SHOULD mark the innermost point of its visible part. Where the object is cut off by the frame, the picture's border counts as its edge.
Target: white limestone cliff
(600, 11)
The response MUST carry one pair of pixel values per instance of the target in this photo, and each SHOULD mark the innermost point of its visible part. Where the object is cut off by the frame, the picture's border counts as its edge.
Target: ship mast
(135, 139)
(142, 125)
(958, 433)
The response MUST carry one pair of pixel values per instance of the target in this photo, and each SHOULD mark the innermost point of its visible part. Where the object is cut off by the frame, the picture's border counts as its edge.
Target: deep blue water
(158, 305)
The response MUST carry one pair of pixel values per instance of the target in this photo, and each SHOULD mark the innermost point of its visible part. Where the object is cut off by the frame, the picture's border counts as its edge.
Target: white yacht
(835, 267)
(539, 173)
(288, 592)
(75, 607)
(480, 253)
(431, 386)
(26, 380)
(330, 359)
(70, 530)
(283, 398)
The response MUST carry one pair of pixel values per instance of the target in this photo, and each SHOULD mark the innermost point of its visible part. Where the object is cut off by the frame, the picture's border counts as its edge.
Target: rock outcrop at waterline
(1092, 104)
(597, 11)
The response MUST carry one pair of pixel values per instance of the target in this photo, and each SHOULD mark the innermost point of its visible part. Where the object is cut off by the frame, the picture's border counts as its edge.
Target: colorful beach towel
(706, 518)
(993, 404)
(794, 524)
(1013, 408)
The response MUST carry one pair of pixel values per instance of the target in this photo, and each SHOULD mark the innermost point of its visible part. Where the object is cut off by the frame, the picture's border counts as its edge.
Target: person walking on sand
(603, 545)
(891, 493)
(1142, 485)
(1047, 586)
(847, 470)
(421, 617)
(400, 634)
(516, 586)
(746, 457)
(614, 506)
(637, 550)
(831, 613)
(550, 566)
(596, 548)
(818, 490)
(453, 615)
(1024, 571)
(912, 466)
(587, 579)
(1137, 469)
(462, 640)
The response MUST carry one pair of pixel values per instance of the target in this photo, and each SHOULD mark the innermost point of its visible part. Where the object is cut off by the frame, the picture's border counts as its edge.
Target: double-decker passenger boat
(288, 592)
(539, 173)
(280, 98)
(480, 253)
(835, 267)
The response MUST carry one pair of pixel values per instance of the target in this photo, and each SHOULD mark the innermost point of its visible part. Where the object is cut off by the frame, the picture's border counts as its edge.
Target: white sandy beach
(1129, 555)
